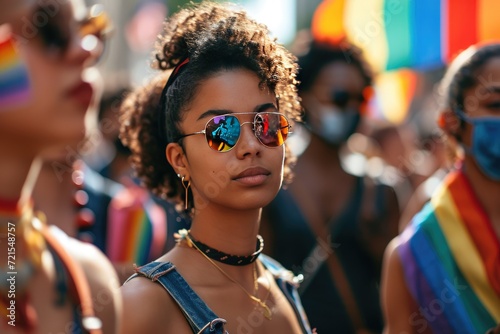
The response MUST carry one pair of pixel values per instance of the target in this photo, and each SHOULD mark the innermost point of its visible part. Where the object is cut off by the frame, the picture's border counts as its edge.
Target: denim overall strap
(288, 284)
(199, 316)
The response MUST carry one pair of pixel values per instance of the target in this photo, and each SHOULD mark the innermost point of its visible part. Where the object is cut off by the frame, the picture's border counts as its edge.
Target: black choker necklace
(214, 254)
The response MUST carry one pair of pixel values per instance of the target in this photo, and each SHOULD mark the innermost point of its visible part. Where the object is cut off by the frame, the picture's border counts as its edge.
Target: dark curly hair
(320, 54)
(214, 37)
(462, 74)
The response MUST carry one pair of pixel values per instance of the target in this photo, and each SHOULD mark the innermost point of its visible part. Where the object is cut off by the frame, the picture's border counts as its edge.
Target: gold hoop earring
(186, 185)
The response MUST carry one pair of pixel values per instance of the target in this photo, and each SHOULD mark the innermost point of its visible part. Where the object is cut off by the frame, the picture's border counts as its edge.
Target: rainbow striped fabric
(419, 34)
(14, 80)
(451, 260)
(136, 227)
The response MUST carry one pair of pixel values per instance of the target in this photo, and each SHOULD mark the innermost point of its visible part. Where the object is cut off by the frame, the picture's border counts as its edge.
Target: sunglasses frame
(96, 23)
(204, 131)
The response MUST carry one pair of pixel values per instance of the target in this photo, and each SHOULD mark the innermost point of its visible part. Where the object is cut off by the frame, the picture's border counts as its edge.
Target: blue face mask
(485, 146)
(336, 125)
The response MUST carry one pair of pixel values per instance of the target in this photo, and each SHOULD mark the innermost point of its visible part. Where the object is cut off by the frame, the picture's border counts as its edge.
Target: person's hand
(13, 9)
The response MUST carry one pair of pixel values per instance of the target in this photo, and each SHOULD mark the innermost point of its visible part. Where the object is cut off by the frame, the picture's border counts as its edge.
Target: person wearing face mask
(328, 225)
(442, 274)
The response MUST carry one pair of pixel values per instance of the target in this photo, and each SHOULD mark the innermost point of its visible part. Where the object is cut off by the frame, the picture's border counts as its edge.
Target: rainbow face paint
(14, 78)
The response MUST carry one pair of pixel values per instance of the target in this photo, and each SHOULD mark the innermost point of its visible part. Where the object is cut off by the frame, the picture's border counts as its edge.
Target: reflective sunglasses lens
(222, 132)
(94, 31)
(54, 33)
(97, 23)
(271, 129)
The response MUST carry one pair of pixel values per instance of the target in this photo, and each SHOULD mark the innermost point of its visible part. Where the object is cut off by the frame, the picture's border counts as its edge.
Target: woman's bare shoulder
(397, 303)
(149, 308)
(101, 278)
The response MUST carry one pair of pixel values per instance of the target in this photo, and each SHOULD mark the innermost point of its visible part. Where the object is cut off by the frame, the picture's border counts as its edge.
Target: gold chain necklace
(265, 309)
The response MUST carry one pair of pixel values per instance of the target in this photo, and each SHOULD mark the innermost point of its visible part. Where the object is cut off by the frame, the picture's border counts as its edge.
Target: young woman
(215, 142)
(49, 283)
(441, 275)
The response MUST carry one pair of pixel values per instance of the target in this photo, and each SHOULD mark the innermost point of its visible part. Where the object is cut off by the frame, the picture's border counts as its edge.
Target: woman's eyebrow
(215, 112)
(265, 106)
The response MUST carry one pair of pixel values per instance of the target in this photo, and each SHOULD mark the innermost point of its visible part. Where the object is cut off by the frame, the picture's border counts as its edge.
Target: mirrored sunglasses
(222, 132)
(55, 33)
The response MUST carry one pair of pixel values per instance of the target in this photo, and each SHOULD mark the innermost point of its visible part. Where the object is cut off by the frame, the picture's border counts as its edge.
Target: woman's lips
(253, 176)
(82, 93)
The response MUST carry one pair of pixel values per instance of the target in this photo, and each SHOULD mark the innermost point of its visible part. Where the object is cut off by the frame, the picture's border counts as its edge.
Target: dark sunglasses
(55, 34)
(342, 98)
(222, 132)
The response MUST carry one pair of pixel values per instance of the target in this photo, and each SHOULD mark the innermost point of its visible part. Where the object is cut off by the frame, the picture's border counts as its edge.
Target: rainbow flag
(14, 79)
(451, 260)
(394, 91)
(136, 228)
(418, 34)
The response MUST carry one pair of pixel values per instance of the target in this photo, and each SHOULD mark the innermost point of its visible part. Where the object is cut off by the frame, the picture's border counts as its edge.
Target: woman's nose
(248, 143)
(80, 50)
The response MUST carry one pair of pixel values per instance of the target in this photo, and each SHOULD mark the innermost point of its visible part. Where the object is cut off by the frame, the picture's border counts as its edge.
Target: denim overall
(199, 316)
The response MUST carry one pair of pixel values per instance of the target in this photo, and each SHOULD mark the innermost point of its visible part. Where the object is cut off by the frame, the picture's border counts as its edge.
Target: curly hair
(214, 37)
(318, 55)
(462, 74)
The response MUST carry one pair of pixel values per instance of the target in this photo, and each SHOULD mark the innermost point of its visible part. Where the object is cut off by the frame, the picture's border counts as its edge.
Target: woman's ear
(449, 122)
(177, 159)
